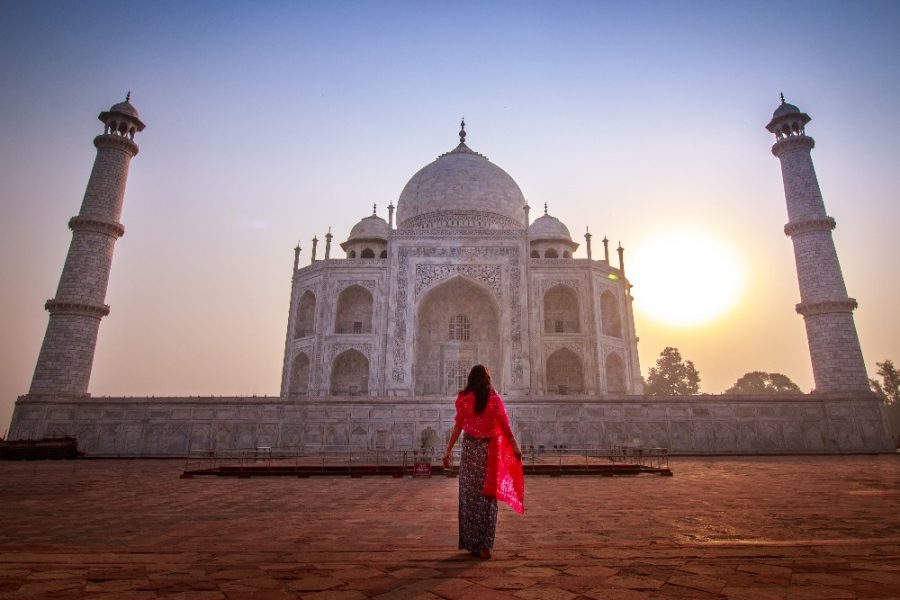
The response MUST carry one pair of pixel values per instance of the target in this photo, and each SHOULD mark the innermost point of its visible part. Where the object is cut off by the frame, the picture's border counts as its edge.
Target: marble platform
(703, 424)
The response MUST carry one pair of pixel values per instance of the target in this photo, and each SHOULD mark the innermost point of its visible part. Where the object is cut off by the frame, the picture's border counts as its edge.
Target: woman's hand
(446, 460)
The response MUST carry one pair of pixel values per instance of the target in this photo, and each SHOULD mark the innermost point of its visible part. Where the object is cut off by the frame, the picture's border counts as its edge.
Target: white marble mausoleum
(463, 278)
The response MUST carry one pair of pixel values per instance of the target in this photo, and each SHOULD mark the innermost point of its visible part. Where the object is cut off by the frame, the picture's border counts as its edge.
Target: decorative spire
(374, 209)
(545, 208)
(462, 131)
(782, 97)
(128, 96)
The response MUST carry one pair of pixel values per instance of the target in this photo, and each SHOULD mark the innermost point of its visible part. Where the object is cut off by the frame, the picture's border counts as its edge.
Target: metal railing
(348, 459)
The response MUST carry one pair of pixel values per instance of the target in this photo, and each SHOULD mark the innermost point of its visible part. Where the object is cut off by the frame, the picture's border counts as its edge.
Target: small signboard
(421, 463)
(421, 469)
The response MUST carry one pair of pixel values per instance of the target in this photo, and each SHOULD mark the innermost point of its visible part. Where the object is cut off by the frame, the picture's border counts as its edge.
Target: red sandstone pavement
(774, 527)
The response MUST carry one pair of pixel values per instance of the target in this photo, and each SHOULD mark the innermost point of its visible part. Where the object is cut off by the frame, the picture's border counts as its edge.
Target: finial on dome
(462, 131)
(374, 209)
(128, 96)
(545, 208)
(782, 97)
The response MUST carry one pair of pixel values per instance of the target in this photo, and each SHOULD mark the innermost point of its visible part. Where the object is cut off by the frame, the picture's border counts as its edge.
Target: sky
(267, 123)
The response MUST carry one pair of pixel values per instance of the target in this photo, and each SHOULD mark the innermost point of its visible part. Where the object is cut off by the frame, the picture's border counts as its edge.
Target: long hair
(480, 384)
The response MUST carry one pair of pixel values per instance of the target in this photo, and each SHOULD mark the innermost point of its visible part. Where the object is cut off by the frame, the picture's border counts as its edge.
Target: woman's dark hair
(480, 383)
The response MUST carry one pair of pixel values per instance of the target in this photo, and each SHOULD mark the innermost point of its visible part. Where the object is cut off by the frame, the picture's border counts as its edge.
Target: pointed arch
(564, 373)
(551, 253)
(350, 374)
(615, 374)
(367, 253)
(429, 439)
(306, 314)
(383, 254)
(299, 383)
(561, 310)
(610, 319)
(535, 254)
(445, 349)
(354, 310)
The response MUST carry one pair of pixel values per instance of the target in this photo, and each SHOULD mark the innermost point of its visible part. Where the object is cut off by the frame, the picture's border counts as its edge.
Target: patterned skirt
(477, 513)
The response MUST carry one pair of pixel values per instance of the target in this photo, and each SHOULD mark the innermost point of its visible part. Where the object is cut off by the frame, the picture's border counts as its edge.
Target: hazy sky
(269, 122)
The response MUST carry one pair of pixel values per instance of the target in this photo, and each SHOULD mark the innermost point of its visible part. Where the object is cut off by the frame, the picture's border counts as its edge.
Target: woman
(490, 467)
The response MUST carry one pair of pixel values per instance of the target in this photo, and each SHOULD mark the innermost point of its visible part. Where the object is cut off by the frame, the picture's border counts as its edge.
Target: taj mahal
(463, 279)
(380, 339)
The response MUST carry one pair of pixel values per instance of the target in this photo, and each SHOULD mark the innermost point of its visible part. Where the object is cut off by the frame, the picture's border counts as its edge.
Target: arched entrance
(457, 327)
(354, 311)
(564, 373)
(299, 376)
(615, 374)
(350, 374)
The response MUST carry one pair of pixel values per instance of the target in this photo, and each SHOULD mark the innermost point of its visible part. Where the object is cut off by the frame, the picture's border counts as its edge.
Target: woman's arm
(454, 435)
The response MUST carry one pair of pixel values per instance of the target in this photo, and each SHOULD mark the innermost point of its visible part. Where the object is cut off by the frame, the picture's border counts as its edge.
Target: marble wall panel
(60, 414)
(681, 436)
(843, 432)
(745, 411)
(200, 437)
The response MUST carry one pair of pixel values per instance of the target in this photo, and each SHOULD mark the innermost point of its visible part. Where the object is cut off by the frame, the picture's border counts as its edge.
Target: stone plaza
(804, 527)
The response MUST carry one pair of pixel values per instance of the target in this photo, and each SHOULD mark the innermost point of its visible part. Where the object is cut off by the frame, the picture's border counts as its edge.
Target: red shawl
(504, 479)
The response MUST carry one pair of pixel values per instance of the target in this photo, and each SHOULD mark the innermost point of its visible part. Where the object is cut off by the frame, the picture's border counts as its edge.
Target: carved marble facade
(462, 279)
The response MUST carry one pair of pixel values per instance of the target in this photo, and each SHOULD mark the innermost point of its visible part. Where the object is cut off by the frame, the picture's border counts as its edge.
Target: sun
(685, 277)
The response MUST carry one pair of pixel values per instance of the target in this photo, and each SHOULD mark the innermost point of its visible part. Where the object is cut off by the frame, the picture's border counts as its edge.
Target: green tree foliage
(672, 376)
(759, 382)
(888, 389)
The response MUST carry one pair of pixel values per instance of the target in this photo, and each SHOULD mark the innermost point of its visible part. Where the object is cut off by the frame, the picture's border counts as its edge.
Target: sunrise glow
(685, 278)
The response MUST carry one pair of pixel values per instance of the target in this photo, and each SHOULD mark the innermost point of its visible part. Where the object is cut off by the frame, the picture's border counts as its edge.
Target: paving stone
(534, 572)
(820, 578)
(817, 592)
(887, 577)
(755, 593)
(636, 582)
(314, 583)
(697, 582)
(763, 528)
(329, 595)
(547, 593)
(616, 594)
(126, 595)
(505, 581)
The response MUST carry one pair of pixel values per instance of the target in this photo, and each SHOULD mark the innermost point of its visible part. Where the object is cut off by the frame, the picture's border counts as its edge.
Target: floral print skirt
(477, 513)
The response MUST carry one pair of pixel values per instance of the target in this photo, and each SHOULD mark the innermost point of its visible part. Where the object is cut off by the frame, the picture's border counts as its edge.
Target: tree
(888, 389)
(759, 382)
(672, 376)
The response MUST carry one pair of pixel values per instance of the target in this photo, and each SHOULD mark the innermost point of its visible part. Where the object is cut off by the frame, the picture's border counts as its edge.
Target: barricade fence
(339, 458)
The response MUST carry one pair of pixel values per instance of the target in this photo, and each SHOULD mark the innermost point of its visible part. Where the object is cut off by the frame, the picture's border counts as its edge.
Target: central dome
(461, 189)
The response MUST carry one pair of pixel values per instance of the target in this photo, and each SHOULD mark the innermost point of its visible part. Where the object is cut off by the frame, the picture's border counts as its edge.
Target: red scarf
(504, 479)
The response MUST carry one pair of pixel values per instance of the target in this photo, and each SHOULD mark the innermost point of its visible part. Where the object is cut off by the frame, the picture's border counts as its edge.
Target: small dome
(785, 109)
(461, 182)
(372, 227)
(125, 108)
(548, 228)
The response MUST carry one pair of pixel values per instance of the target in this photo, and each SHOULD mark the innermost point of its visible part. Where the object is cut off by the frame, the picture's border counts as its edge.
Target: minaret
(837, 360)
(67, 354)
